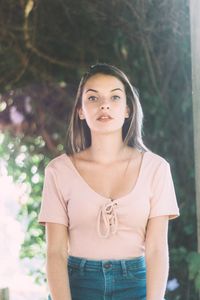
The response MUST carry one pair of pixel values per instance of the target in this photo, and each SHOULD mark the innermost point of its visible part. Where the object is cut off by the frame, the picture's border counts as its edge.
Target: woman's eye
(116, 97)
(92, 98)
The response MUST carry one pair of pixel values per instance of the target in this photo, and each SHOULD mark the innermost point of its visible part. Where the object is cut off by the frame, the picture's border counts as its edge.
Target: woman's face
(104, 96)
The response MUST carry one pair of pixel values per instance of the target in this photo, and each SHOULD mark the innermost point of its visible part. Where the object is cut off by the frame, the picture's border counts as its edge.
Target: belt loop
(124, 269)
(82, 264)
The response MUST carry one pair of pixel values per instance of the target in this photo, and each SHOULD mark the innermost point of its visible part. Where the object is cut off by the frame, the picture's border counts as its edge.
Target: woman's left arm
(157, 257)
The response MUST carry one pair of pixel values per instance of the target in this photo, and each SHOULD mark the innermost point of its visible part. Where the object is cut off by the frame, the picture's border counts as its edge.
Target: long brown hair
(78, 132)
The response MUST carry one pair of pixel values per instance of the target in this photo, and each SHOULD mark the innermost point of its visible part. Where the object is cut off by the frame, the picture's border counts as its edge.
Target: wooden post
(195, 49)
(4, 294)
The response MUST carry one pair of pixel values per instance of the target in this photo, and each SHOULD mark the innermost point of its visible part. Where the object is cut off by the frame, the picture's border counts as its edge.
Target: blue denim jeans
(123, 279)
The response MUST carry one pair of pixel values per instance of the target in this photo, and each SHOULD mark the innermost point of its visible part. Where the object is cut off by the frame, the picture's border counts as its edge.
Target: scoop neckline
(101, 196)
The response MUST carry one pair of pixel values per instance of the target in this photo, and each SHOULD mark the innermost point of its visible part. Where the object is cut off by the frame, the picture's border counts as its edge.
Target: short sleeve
(163, 200)
(53, 206)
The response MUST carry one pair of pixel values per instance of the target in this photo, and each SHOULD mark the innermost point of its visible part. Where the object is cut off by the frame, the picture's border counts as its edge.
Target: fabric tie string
(108, 215)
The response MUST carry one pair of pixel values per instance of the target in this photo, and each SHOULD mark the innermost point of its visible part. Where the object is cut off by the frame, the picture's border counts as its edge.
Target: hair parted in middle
(78, 133)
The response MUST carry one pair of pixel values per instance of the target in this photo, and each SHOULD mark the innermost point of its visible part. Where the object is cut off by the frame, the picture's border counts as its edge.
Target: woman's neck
(106, 148)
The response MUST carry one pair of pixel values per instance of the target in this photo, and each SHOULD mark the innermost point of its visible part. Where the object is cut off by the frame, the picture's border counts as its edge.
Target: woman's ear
(81, 114)
(127, 113)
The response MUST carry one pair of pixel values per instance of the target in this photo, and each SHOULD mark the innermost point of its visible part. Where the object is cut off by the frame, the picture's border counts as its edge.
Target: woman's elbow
(156, 250)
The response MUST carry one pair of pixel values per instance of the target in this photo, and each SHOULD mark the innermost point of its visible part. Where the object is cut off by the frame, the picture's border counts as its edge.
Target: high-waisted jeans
(123, 279)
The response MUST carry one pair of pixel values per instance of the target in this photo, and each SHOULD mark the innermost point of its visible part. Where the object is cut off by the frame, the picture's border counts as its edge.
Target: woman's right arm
(56, 261)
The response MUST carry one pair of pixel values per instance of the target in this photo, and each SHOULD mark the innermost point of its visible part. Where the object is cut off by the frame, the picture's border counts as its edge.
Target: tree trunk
(4, 294)
(195, 47)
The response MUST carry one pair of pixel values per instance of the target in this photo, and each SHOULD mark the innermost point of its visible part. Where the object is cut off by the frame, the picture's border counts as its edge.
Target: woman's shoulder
(58, 162)
(156, 159)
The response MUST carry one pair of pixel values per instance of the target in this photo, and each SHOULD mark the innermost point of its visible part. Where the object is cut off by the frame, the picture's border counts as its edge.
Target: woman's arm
(56, 262)
(157, 257)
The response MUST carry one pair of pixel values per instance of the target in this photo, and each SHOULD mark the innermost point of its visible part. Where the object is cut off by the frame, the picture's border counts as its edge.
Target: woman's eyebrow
(92, 90)
(116, 90)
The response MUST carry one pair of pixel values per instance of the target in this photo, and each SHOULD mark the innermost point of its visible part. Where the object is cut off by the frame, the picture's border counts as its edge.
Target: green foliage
(26, 167)
(194, 268)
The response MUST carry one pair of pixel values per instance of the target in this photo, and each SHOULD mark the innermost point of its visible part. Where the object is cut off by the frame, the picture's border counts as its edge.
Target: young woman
(107, 201)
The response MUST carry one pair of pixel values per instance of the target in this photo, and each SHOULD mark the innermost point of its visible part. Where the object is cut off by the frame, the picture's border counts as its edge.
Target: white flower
(15, 116)
(172, 284)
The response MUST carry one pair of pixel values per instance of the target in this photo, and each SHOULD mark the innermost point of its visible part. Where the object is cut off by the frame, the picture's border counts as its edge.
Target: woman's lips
(104, 119)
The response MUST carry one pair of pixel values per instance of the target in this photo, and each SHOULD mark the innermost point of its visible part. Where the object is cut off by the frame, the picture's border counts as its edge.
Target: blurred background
(45, 46)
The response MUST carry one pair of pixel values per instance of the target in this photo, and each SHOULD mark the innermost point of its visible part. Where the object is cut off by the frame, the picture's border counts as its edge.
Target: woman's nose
(104, 105)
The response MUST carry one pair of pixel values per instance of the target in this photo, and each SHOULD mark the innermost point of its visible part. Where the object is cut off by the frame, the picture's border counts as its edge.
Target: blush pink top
(99, 227)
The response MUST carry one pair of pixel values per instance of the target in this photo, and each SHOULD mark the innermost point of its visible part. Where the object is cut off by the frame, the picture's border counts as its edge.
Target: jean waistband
(81, 262)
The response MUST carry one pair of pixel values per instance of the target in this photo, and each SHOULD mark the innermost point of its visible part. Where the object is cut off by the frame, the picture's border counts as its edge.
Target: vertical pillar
(195, 51)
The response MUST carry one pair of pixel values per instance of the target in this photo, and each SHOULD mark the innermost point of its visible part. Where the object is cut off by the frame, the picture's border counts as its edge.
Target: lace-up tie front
(108, 217)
